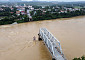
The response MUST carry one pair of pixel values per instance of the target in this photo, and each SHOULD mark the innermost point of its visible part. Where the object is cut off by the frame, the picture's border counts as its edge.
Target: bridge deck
(58, 56)
(52, 44)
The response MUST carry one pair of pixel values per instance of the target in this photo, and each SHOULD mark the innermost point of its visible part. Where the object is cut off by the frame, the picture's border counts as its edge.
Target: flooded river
(16, 41)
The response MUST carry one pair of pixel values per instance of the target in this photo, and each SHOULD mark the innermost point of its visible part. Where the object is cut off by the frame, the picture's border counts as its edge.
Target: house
(18, 13)
(11, 8)
(23, 12)
(11, 12)
(1, 9)
(49, 9)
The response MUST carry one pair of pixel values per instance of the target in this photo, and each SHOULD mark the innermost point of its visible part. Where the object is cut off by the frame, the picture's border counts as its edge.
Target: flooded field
(16, 41)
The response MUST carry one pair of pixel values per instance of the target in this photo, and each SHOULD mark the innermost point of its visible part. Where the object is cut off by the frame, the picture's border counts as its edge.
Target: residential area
(23, 12)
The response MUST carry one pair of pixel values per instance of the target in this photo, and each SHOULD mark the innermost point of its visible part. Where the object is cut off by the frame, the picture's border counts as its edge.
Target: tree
(82, 58)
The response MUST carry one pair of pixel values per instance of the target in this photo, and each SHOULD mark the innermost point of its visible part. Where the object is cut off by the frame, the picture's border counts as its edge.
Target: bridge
(52, 44)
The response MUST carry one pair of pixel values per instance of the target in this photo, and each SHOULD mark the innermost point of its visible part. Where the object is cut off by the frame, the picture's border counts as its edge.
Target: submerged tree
(82, 58)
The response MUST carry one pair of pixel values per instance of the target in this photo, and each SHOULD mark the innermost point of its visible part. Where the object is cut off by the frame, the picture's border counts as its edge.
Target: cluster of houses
(20, 10)
(65, 10)
(1, 9)
(25, 10)
(60, 10)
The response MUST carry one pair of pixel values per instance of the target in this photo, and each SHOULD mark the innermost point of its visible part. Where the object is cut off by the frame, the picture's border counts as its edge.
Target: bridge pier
(39, 37)
(53, 59)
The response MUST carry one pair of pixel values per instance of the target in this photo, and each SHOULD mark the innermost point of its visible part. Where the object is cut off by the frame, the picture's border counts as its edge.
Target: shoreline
(60, 19)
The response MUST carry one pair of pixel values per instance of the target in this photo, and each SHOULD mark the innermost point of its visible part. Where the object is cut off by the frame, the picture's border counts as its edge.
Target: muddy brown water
(16, 41)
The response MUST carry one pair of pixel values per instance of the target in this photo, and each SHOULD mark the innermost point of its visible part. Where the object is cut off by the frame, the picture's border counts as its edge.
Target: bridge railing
(50, 41)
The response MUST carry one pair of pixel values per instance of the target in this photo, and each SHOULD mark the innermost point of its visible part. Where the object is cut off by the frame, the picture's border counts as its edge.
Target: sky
(57, 0)
(52, 0)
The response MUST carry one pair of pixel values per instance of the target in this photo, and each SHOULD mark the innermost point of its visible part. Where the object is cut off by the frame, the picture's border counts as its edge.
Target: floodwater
(16, 41)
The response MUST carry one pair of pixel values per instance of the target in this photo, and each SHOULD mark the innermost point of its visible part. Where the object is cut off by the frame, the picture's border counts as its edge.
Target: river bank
(44, 20)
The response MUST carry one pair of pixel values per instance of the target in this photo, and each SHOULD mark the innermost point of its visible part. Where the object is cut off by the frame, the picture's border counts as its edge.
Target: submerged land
(17, 40)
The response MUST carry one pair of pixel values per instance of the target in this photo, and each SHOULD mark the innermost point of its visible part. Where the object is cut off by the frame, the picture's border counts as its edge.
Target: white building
(28, 14)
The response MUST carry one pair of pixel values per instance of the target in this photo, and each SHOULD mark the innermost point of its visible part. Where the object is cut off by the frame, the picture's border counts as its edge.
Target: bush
(82, 58)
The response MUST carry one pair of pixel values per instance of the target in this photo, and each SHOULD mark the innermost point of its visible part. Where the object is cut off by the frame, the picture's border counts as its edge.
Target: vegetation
(48, 15)
(12, 19)
(82, 58)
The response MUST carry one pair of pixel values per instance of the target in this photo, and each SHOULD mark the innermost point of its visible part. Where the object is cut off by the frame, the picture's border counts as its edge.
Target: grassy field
(77, 7)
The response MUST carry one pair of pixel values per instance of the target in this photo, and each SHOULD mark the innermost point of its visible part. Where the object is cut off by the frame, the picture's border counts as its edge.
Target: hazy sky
(51, 0)
(56, 0)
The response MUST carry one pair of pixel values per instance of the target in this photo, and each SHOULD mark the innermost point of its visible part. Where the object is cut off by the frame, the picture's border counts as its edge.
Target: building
(34, 0)
(28, 14)
(15, 0)
(1, 9)
(18, 13)
(23, 12)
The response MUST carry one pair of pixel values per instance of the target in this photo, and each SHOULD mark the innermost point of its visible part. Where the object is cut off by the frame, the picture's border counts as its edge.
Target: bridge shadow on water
(44, 52)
